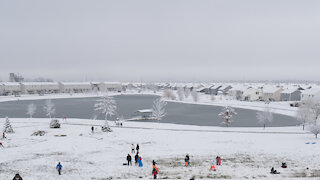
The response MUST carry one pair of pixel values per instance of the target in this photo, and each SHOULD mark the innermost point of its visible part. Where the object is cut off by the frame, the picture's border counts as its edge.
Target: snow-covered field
(247, 153)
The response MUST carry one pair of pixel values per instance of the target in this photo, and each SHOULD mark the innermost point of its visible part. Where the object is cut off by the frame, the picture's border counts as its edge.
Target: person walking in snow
(137, 148)
(59, 167)
(155, 170)
(136, 158)
(140, 161)
(217, 160)
(17, 177)
(129, 160)
(132, 149)
(187, 160)
(92, 129)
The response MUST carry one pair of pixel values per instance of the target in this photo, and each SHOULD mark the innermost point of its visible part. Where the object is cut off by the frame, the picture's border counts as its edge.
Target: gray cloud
(160, 40)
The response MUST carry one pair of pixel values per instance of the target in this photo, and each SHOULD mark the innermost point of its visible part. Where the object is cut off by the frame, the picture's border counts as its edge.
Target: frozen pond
(177, 113)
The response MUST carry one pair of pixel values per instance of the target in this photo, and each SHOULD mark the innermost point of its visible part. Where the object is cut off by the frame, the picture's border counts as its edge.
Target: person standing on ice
(132, 149)
(59, 167)
(17, 177)
(129, 160)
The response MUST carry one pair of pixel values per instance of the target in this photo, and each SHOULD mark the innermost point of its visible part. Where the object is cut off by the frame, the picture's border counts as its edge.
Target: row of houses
(249, 92)
(17, 88)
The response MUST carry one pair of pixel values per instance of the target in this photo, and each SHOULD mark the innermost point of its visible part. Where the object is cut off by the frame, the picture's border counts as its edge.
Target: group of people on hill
(137, 158)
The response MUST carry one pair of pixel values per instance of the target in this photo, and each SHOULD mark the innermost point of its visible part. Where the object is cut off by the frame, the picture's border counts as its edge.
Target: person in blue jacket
(140, 161)
(59, 167)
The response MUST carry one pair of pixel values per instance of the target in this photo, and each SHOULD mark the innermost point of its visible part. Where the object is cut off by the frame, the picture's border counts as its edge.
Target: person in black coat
(17, 177)
(129, 160)
(137, 148)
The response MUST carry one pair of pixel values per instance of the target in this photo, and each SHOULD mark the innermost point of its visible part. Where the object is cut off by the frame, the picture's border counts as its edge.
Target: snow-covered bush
(213, 97)
(31, 109)
(54, 123)
(7, 126)
(187, 92)
(195, 96)
(107, 106)
(180, 94)
(265, 116)
(49, 108)
(226, 114)
(38, 133)
(168, 94)
(158, 110)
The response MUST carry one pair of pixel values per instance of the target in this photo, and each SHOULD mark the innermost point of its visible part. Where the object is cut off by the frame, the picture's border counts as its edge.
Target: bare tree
(49, 108)
(195, 96)
(265, 116)
(31, 109)
(180, 94)
(107, 106)
(158, 110)
(226, 114)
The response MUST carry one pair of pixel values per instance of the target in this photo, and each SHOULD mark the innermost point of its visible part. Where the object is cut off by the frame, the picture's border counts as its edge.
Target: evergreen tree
(7, 126)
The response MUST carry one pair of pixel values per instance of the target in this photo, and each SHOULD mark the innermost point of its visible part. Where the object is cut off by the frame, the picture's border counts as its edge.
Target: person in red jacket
(155, 171)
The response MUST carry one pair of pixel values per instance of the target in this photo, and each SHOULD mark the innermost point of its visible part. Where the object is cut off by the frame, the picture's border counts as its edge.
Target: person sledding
(17, 177)
(59, 167)
(155, 170)
(187, 160)
(212, 166)
(273, 171)
(284, 165)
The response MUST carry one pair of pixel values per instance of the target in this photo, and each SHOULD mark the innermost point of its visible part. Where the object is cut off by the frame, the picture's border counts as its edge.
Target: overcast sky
(163, 40)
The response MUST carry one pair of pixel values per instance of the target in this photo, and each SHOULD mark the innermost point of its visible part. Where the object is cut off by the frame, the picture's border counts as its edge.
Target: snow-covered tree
(168, 94)
(49, 108)
(187, 92)
(213, 97)
(195, 96)
(107, 106)
(7, 126)
(180, 94)
(265, 116)
(314, 128)
(226, 114)
(158, 109)
(31, 109)
(303, 115)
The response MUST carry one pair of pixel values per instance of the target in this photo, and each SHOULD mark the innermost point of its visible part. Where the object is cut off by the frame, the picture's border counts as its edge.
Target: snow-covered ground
(247, 153)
